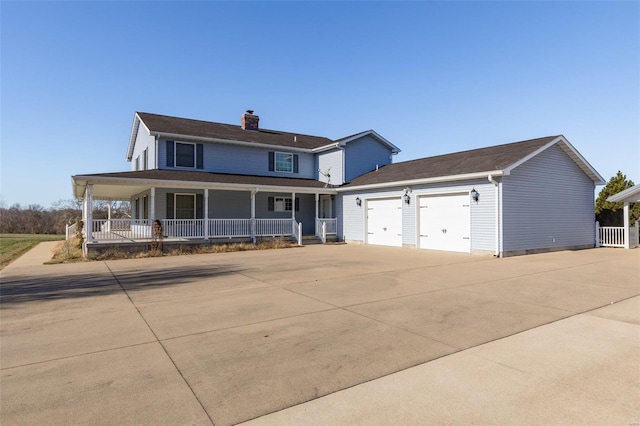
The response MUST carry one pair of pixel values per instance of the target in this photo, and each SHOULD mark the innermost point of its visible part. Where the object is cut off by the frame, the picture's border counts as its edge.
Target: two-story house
(212, 181)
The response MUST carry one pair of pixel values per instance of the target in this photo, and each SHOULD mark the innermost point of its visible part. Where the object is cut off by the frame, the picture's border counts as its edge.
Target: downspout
(497, 220)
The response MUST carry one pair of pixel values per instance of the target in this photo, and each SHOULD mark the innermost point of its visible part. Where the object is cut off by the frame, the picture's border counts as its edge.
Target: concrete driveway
(342, 334)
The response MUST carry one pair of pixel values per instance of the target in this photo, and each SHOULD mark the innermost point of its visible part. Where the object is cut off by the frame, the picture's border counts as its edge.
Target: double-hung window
(284, 162)
(185, 154)
(185, 206)
(145, 159)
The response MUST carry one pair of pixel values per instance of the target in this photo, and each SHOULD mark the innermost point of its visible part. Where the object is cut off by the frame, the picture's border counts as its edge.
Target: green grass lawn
(12, 246)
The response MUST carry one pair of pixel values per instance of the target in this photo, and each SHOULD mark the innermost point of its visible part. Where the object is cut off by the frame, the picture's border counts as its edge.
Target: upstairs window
(185, 155)
(285, 162)
(145, 159)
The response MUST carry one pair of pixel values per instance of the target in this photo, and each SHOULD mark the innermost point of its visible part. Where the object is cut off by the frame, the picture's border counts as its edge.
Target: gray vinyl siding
(161, 199)
(139, 214)
(222, 158)
(143, 140)
(351, 223)
(548, 202)
(332, 160)
(229, 204)
(362, 156)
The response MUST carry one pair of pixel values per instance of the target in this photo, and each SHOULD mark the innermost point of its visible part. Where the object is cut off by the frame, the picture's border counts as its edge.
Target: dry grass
(68, 251)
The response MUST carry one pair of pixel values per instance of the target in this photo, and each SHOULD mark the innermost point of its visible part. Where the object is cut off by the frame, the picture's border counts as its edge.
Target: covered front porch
(209, 211)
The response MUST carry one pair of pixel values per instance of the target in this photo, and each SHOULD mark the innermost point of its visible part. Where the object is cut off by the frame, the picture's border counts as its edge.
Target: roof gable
(372, 133)
(499, 159)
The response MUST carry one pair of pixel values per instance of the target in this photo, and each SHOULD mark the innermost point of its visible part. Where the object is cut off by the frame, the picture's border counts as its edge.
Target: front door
(325, 208)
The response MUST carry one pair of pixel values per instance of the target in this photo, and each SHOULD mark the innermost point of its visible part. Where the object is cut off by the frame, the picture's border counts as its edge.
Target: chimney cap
(249, 111)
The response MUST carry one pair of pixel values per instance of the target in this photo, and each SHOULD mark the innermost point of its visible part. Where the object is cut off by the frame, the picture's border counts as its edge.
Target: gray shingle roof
(196, 176)
(208, 129)
(476, 160)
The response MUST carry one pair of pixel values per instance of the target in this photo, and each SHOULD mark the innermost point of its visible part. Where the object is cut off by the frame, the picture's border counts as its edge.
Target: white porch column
(253, 216)
(293, 205)
(152, 206)
(206, 214)
(626, 225)
(317, 201)
(88, 195)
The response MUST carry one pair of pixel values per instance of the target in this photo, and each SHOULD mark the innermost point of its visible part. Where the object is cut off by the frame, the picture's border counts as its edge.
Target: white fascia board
(375, 134)
(630, 195)
(326, 147)
(590, 171)
(451, 178)
(133, 136)
(179, 137)
(81, 181)
(137, 121)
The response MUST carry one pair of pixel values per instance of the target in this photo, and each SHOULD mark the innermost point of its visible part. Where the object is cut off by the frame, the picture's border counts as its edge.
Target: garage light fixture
(475, 196)
(407, 197)
(358, 201)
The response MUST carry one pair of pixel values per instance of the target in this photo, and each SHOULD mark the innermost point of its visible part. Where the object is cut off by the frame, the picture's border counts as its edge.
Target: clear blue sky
(432, 77)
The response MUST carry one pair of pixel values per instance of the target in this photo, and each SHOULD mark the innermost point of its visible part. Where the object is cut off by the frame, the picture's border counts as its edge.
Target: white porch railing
(611, 236)
(274, 227)
(614, 236)
(331, 226)
(183, 228)
(141, 229)
(229, 227)
(296, 229)
(120, 229)
(71, 230)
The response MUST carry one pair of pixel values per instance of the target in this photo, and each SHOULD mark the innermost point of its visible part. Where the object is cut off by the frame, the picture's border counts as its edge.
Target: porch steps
(310, 239)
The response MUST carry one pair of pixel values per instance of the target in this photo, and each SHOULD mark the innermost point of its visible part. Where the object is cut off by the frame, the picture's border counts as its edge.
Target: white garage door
(384, 222)
(445, 223)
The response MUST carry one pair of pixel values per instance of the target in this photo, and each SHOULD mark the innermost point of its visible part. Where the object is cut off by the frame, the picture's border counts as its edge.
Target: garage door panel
(445, 223)
(384, 222)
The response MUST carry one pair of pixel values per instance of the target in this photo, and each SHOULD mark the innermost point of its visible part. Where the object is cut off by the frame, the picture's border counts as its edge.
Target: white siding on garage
(351, 217)
(548, 203)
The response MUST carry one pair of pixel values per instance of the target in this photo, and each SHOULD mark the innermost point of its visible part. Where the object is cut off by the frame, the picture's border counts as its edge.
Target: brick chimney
(249, 121)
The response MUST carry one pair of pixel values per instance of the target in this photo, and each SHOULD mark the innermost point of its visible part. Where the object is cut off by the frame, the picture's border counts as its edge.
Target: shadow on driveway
(27, 288)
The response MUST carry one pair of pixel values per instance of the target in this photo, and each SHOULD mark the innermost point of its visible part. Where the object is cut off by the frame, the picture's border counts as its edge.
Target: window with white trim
(185, 206)
(145, 159)
(185, 154)
(284, 162)
(281, 204)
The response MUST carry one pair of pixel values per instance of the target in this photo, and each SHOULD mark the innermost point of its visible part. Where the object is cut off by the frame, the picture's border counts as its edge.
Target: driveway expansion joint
(161, 345)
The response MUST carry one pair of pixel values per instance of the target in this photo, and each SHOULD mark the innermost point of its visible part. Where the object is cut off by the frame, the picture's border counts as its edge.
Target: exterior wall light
(406, 196)
(475, 195)
(358, 201)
